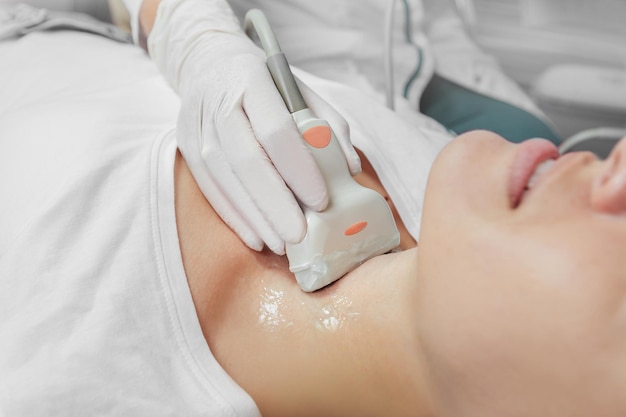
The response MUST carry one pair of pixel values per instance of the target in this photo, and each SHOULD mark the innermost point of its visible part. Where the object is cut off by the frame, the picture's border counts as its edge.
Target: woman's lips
(529, 155)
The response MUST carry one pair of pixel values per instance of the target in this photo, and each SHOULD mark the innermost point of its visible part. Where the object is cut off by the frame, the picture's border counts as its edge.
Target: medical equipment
(358, 223)
(599, 141)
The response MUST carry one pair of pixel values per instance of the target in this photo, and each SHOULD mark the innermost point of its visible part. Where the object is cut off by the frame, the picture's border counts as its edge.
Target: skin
(538, 323)
(147, 15)
(352, 347)
(527, 320)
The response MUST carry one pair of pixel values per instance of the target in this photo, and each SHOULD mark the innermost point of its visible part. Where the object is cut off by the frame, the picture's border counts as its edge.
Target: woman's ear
(608, 192)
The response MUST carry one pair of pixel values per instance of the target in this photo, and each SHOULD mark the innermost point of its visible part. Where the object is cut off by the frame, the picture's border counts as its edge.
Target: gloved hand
(234, 130)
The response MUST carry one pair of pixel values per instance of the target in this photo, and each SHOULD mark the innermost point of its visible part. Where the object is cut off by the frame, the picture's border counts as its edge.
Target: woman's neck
(344, 350)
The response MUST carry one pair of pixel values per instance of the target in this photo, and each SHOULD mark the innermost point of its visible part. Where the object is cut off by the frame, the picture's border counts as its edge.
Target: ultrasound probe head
(357, 224)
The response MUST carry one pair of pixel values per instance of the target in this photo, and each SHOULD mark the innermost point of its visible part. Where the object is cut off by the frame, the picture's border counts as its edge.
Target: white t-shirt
(96, 317)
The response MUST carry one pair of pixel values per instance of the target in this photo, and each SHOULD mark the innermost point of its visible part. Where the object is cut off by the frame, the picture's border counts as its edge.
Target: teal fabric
(461, 110)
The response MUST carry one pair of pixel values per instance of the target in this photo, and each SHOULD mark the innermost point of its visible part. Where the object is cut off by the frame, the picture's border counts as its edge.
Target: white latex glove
(234, 129)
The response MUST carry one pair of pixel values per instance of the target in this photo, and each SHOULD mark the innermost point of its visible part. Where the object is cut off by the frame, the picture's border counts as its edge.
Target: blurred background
(569, 55)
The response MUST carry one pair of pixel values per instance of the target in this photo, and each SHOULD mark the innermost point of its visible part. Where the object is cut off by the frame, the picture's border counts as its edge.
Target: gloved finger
(240, 201)
(219, 165)
(259, 177)
(221, 204)
(325, 111)
(189, 138)
(277, 133)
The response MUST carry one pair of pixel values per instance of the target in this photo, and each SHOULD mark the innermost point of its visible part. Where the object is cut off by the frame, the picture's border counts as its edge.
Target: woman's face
(522, 292)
